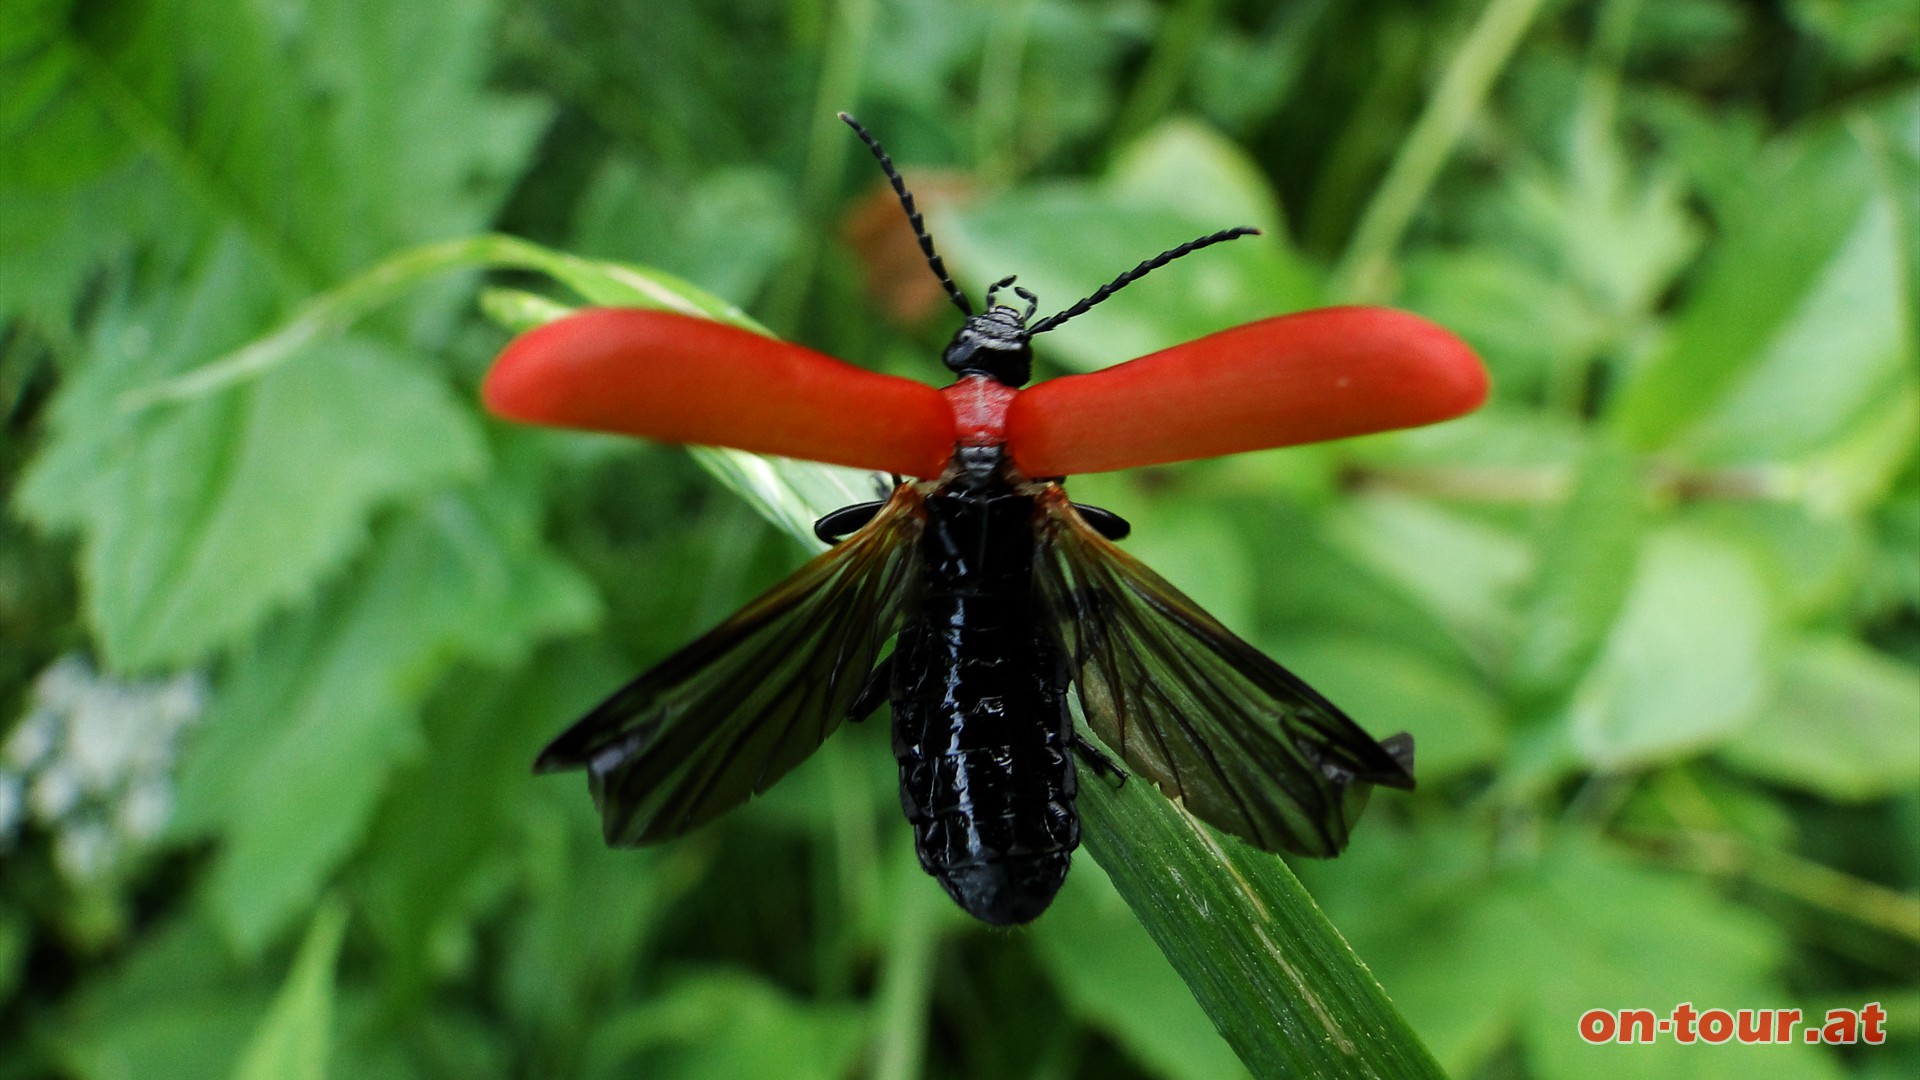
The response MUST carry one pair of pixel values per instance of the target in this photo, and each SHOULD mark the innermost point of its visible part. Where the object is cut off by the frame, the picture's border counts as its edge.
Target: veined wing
(722, 719)
(1238, 739)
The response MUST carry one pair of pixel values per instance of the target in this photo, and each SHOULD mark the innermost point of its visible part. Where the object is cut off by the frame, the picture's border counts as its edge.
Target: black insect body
(999, 595)
(981, 726)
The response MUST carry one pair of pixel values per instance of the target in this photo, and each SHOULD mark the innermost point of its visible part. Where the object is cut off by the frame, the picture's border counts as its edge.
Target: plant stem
(906, 984)
(338, 308)
(996, 116)
(842, 71)
(1529, 484)
(1814, 884)
(1174, 44)
(1706, 845)
(1362, 273)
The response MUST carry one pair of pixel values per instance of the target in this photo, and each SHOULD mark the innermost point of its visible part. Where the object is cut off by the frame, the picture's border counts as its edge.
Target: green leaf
(1191, 166)
(724, 1026)
(63, 239)
(790, 493)
(1109, 969)
(588, 913)
(1684, 665)
(257, 155)
(1862, 32)
(317, 135)
(1838, 355)
(1895, 143)
(1619, 238)
(1506, 452)
(728, 231)
(1859, 470)
(1457, 724)
(57, 135)
(199, 521)
(1893, 575)
(1527, 325)
(1198, 550)
(451, 818)
(1762, 275)
(519, 311)
(68, 194)
(1843, 722)
(1276, 978)
(328, 314)
(311, 135)
(305, 732)
(1586, 563)
(1812, 557)
(1451, 105)
(170, 1010)
(1462, 570)
(13, 950)
(295, 1039)
(781, 488)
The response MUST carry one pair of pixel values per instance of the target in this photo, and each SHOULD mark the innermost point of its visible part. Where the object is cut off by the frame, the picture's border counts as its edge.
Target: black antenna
(1136, 274)
(913, 215)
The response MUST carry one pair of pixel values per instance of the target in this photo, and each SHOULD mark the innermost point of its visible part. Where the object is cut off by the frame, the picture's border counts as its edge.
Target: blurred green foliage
(277, 648)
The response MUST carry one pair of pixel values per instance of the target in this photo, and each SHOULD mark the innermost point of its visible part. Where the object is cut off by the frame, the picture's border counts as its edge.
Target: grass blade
(1280, 983)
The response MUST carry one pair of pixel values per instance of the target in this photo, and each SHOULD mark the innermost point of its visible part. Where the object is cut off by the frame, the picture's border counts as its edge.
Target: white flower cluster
(91, 762)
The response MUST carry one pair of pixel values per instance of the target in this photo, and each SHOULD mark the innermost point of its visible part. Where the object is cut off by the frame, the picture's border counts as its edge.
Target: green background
(278, 643)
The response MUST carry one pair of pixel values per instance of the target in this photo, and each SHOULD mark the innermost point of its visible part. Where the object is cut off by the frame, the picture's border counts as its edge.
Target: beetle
(1004, 600)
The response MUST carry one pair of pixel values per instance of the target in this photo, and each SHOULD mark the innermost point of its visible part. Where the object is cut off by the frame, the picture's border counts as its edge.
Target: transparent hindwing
(1240, 741)
(723, 718)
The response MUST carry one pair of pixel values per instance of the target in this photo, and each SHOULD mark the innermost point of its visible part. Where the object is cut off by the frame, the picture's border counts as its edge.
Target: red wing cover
(674, 378)
(1316, 375)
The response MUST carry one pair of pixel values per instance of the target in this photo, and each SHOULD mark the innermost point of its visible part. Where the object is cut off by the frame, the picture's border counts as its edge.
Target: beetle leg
(875, 692)
(1105, 522)
(1108, 769)
(845, 521)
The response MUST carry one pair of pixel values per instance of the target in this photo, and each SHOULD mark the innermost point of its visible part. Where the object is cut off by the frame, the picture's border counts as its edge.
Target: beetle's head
(996, 344)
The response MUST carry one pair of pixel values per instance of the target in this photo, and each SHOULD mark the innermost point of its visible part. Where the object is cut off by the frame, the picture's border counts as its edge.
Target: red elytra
(675, 378)
(1324, 374)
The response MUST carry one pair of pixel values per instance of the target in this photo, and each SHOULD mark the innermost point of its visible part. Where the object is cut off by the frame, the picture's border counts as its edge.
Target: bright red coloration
(1300, 378)
(681, 379)
(979, 410)
(1316, 375)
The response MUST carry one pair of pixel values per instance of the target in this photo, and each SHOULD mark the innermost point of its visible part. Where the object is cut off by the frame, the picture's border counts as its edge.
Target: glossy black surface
(994, 344)
(980, 721)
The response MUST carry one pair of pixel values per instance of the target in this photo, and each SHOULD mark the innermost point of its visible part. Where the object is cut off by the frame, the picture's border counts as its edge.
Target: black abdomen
(980, 724)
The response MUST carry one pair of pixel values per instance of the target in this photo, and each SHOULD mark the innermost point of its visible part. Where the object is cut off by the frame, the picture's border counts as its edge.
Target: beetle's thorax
(979, 403)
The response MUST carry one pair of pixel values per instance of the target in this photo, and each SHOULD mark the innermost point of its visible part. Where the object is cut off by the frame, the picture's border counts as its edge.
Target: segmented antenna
(1136, 274)
(913, 216)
